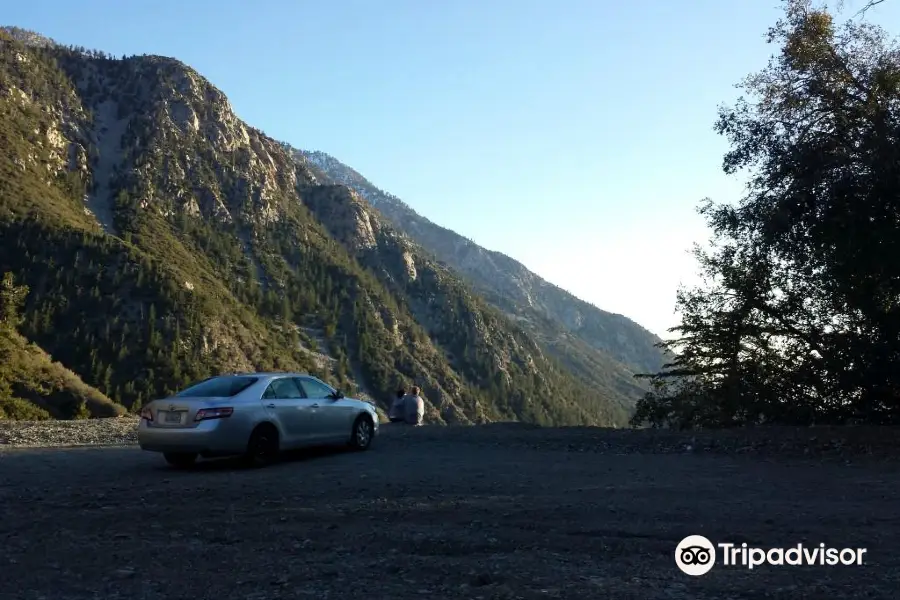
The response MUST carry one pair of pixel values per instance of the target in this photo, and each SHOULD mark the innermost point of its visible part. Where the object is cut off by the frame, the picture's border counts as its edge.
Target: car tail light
(146, 414)
(213, 413)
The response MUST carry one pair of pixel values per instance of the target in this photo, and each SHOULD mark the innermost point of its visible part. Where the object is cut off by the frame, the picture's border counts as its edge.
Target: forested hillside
(32, 385)
(163, 240)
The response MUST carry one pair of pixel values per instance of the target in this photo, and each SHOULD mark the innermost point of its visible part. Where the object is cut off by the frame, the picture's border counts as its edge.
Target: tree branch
(868, 5)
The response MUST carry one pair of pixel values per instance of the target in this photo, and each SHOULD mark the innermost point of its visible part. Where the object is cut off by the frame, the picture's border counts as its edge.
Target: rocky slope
(547, 311)
(163, 239)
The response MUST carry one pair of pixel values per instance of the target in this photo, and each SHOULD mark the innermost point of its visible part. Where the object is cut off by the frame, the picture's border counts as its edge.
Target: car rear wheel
(363, 431)
(180, 459)
(263, 447)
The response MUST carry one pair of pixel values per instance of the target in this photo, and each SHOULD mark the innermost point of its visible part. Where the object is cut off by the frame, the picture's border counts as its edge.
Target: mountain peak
(27, 37)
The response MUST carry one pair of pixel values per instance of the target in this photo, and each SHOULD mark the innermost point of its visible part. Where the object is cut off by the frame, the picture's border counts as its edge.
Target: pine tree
(12, 297)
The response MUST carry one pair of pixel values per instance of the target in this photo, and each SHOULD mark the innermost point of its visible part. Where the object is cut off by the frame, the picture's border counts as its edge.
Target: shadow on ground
(236, 463)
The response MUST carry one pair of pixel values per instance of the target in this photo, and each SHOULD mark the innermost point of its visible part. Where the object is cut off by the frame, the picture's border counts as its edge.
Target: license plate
(172, 417)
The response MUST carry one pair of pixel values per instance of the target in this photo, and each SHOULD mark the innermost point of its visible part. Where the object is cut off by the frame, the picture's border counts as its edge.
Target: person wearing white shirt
(414, 407)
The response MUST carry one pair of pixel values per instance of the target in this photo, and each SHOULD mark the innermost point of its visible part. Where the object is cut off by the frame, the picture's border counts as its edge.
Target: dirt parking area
(502, 512)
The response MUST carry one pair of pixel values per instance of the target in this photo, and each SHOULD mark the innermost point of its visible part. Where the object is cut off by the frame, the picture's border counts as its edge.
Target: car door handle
(270, 406)
(315, 406)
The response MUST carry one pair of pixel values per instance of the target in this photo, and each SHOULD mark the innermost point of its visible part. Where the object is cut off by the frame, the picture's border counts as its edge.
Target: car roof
(257, 373)
(268, 374)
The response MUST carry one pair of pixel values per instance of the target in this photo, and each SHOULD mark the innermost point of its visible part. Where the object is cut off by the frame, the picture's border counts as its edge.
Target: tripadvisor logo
(695, 555)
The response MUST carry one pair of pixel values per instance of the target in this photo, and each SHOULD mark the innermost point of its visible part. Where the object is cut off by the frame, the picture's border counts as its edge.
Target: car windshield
(218, 387)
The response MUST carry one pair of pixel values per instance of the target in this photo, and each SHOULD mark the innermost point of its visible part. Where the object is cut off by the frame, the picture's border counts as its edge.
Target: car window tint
(269, 394)
(286, 389)
(313, 388)
(218, 387)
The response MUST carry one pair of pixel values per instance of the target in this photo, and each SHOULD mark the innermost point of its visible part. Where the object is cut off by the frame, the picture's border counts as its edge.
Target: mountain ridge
(164, 239)
(495, 273)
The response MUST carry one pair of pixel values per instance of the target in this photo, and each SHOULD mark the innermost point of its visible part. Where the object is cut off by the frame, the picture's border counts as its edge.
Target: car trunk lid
(180, 412)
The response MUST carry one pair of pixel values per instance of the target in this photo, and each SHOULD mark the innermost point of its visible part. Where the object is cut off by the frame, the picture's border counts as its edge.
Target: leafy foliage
(799, 321)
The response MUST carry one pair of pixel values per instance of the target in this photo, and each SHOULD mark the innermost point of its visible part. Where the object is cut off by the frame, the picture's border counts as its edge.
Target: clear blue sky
(574, 135)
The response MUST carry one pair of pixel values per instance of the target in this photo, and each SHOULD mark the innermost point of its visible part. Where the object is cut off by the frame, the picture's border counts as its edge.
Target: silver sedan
(256, 415)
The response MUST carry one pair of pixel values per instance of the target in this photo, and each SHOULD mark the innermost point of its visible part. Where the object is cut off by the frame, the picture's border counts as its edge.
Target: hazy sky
(573, 135)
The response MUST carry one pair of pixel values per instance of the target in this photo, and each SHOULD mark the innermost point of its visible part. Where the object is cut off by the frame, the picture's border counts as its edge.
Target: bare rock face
(344, 214)
(410, 263)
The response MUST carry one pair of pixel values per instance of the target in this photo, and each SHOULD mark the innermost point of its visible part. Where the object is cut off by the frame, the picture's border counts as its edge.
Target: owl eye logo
(695, 555)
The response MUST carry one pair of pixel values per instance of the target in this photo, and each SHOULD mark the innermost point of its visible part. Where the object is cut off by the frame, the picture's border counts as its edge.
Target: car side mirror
(337, 395)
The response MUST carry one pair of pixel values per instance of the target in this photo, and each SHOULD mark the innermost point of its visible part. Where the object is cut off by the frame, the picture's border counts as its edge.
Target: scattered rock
(117, 431)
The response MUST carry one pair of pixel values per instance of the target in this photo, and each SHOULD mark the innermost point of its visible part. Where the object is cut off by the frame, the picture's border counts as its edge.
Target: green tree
(12, 297)
(800, 320)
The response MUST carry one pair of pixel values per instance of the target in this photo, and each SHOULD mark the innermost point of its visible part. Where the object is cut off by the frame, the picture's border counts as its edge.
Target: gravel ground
(498, 511)
(88, 432)
(822, 442)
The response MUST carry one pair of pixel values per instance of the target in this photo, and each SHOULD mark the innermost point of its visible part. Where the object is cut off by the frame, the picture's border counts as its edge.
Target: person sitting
(396, 414)
(414, 407)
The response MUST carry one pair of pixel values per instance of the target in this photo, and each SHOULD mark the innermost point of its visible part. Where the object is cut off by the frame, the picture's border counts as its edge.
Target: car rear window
(219, 387)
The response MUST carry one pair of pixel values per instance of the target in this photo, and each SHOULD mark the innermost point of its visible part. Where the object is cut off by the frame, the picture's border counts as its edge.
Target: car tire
(263, 447)
(362, 433)
(180, 460)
